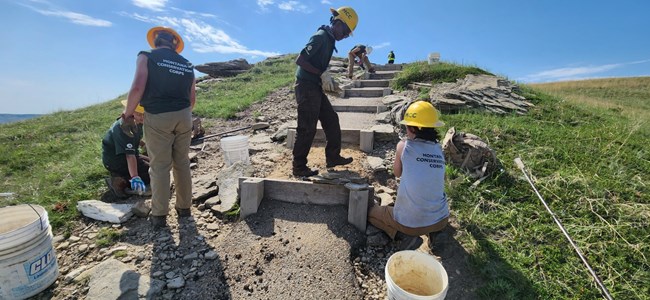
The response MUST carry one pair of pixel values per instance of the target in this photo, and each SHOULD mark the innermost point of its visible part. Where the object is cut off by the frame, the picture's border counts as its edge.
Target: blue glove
(137, 185)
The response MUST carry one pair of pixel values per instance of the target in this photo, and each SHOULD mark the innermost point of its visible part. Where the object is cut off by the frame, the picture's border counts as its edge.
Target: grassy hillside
(55, 160)
(589, 160)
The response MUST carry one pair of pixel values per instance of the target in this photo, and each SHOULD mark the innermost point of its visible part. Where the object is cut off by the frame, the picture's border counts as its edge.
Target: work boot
(437, 241)
(158, 222)
(304, 172)
(183, 212)
(407, 242)
(339, 161)
(117, 185)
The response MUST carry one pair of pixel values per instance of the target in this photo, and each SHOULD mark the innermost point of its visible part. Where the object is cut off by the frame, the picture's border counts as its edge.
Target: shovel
(256, 126)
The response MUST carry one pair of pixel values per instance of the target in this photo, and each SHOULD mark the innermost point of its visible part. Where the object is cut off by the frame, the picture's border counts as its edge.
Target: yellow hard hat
(153, 33)
(347, 15)
(422, 114)
(138, 109)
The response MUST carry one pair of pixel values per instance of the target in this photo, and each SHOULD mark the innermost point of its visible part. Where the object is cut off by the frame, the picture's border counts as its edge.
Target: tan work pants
(382, 218)
(168, 138)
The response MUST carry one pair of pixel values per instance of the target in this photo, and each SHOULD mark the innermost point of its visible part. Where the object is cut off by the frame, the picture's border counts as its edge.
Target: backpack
(469, 153)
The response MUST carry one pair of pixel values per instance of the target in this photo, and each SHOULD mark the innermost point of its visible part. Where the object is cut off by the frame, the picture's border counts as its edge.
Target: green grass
(592, 166)
(435, 73)
(107, 237)
(223, 99)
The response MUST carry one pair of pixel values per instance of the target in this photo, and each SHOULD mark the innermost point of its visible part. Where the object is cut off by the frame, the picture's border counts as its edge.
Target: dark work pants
(122, 169)
(313, 106)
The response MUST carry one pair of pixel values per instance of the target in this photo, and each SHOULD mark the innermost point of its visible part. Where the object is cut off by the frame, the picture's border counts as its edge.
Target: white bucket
(27, 259)
(235, 148)
(415, 275)
(434, 58)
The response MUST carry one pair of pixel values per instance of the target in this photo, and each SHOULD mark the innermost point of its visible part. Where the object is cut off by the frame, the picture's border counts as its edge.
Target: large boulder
(225, 69)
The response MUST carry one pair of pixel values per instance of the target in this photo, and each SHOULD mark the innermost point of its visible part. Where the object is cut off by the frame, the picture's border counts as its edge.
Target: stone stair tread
(355, 120)
(358, 101)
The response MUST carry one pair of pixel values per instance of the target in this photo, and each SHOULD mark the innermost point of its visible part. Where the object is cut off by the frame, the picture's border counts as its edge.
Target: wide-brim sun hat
(153, 33)
(138, 109)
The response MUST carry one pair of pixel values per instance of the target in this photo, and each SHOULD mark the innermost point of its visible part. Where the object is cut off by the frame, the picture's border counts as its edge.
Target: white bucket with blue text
(27, 258)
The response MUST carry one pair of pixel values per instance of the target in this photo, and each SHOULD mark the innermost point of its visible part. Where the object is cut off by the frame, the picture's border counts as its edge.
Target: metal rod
(602, 287)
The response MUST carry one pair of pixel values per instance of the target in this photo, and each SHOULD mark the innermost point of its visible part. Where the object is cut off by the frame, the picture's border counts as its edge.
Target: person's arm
(193, 94)
(304, 63)
(137, 87)
(397, 164)
(132, 162)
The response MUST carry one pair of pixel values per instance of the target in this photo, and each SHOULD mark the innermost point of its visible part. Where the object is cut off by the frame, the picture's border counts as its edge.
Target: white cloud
(264, 3)
(575, 73)
(293, 6)
(382, 45)
(76, 18)
(155, 5)
(203, 37)
(325, 2)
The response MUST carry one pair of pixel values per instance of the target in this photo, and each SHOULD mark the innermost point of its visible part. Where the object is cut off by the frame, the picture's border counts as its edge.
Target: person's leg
(158, 130)
(366, 61)
(329, 119)
(350, 64)
(180, 158)
(308, 99)
(382, 218)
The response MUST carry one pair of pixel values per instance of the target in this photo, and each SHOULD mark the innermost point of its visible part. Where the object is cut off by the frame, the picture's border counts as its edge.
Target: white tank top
(421, 199)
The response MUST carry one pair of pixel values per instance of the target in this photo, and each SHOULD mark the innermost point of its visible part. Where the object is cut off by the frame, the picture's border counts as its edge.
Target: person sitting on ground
(421, 205)
(359, 55)
(122, 159)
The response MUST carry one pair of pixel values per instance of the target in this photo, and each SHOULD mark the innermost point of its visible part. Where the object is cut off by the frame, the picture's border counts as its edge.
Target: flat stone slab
(107, 212)
(304, 192)
(113, 279)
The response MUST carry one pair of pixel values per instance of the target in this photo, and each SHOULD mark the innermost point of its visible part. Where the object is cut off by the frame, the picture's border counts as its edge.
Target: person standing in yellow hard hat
(391, 57)
(164, 85)
(313, 104)
(121, 157)
(421, 206)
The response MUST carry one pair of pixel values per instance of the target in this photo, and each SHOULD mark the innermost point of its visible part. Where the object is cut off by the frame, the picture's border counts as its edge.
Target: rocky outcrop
(483, 92)
(225, 69)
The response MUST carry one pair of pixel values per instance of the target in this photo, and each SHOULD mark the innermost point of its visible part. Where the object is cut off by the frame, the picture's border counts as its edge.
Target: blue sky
(65, 54)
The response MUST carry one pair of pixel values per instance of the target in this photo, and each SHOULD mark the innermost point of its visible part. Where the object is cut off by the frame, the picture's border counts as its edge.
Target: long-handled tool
(602, 287)
(256, 126)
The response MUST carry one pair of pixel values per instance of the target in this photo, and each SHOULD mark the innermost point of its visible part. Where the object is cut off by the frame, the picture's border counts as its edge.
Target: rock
(113, 279)
(225, 69)
(386, 199)
(483, 92)
(281, 134)
(108, 212)
(142, 208)
(63, 246)
(212, 201)
(204, 187)
(377, 240)
(211, 255)
(176, 283)
(384, 133)
(376, 163)
(383, 117)
(191, 256)
(393, 99)
(229, 183)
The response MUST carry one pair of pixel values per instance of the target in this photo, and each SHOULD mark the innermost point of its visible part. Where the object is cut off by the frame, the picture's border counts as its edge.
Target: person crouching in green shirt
(120, 156)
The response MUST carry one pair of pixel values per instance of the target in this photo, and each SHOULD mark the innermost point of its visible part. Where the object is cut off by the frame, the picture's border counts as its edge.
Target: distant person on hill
(391, 57)
(164, 85)
(421, 205)
(358, 55)
(313, 104)
(122, 159)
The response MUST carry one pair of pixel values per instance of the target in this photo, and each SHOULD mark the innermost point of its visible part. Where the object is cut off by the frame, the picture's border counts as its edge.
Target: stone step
(393, 67)
(359, 104)
(371, 83)
(366, 92)
(383, 75)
